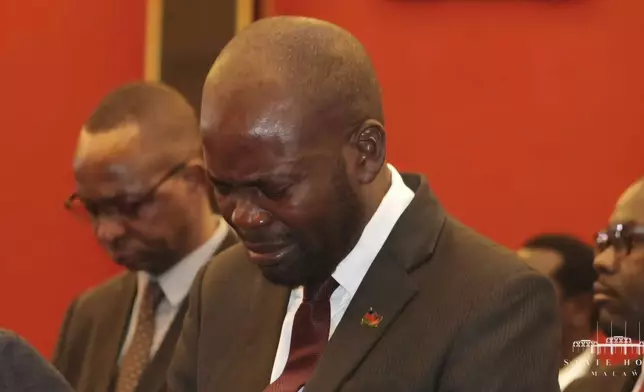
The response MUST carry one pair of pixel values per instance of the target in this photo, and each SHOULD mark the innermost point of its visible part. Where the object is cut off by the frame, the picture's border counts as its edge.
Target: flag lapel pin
(371, 319)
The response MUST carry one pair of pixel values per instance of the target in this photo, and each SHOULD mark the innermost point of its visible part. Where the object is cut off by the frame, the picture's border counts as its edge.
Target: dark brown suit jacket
(460, 314)
(607, 379)
(93, 332)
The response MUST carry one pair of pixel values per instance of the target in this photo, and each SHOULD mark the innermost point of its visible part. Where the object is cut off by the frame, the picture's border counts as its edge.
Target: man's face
(292, 202)
(139, 210)
(619, 291)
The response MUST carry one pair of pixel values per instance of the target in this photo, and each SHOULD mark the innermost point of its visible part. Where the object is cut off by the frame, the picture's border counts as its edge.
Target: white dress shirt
(175, 284)
(352, 269)
(577, 368)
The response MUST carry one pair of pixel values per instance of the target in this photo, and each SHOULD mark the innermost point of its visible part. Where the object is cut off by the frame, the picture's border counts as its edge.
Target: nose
(108, 228)
(606, 262)
(247, 215)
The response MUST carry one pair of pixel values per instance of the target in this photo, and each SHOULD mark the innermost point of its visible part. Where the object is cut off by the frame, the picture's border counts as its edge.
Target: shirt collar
(176, 281)
(354, 266)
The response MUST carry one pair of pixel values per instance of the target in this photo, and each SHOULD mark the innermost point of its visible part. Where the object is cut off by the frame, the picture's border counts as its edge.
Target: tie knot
(153, 294)
(320, 292)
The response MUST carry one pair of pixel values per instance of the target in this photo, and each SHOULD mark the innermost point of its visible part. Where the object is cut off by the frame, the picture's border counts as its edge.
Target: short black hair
(576, 275)
(163, 114)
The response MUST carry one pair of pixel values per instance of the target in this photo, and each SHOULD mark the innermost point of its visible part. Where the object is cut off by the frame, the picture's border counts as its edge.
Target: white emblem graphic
(613, 344)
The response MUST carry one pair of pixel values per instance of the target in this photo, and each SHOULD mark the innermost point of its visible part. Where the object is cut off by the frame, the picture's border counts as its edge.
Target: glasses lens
(602, 241)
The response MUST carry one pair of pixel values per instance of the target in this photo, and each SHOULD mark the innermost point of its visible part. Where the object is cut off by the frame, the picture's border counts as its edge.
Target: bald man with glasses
(619, 292)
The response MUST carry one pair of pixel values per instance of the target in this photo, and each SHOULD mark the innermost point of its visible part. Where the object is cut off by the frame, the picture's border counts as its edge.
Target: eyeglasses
(120, 205)
(623, 237)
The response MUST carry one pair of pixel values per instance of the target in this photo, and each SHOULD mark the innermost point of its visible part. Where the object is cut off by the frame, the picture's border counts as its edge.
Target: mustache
(264, 237)
(601, 287)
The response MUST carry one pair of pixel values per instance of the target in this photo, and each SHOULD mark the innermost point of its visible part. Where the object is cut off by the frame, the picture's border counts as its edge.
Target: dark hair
(577, 274)
(162, 114)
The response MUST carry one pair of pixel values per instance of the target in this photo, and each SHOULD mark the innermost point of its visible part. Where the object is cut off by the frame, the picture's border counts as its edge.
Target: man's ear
(369, 141)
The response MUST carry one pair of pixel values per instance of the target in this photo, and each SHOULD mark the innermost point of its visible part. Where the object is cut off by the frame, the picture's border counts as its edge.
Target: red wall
(58, 57)
(525, 115)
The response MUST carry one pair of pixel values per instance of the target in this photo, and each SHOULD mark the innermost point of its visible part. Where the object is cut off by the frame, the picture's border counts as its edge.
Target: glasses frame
(621, 236)
(137, 204)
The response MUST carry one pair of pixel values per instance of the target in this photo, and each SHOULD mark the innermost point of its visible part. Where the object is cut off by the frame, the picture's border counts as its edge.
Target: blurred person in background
(141, 182)
(619, 291)
(23, 369)
(568, 262)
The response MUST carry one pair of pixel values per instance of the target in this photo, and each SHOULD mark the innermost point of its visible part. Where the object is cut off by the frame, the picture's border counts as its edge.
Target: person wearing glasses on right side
(619, 292)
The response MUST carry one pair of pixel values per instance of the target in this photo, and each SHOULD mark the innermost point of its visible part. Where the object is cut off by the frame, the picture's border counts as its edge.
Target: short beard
(158, 256)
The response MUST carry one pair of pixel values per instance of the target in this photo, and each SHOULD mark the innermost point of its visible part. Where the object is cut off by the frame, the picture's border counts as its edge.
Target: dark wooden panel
(193, 34)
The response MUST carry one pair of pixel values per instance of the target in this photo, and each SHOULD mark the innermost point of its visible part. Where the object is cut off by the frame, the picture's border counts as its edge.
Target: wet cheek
(302, 194)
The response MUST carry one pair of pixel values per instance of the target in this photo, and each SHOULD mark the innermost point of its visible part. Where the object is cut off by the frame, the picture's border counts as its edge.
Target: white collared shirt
(352, 269)
(175, 284)
(577, 368)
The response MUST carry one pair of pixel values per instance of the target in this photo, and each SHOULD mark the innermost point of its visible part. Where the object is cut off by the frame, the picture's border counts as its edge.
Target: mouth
(603, 293)
(267, 254)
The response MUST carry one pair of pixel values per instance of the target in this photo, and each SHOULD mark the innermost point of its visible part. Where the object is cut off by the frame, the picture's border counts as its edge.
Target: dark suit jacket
(607, 379)
(23, 369)
(459, 314)
(93, 332)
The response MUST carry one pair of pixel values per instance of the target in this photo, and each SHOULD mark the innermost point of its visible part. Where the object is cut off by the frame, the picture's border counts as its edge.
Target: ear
(369, 142)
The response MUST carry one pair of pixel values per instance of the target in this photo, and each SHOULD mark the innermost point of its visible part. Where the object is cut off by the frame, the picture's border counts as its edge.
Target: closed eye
(276, 193)
(222, 187)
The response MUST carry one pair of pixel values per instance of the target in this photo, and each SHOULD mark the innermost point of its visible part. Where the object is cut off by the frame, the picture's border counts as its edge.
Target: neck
(208, 228)
(377, 191)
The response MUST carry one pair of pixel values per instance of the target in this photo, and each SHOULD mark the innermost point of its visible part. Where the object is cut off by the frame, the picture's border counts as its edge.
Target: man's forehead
(108, 156)
(104, 145)
(630, 206)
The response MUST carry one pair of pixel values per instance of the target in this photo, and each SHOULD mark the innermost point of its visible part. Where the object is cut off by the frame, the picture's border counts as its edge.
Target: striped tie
(137, 355)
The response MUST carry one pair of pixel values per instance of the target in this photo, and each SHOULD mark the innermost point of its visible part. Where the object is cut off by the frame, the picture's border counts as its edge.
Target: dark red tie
(308, 338)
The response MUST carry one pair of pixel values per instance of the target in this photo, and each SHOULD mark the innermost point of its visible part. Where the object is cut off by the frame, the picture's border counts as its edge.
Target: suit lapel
(247, 362)
(262, 339)
(111, 330)
(386, 288)
(230, 240)
(153, 378)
